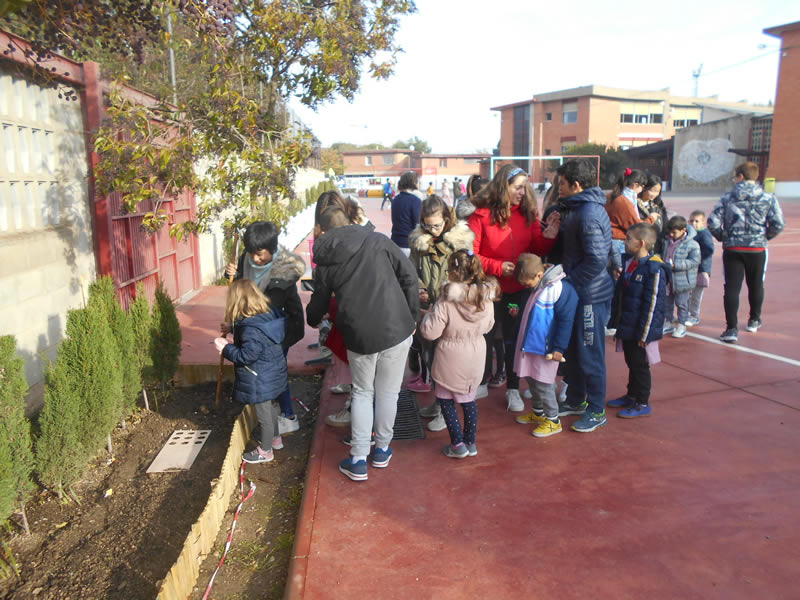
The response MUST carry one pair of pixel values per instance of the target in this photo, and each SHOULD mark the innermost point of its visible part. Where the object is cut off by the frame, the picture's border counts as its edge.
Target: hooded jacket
(257, 357)
(586, 233)
(705, 240)
(281, 289)
(376, 288)
(685, 262)
(640, 300)
(548, 318)
(495, 244)
(460, 328)
(430, 255)
(746, 217)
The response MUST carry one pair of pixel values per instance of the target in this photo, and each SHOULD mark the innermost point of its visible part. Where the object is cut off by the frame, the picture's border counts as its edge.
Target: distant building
(784, 160)
(550, 123)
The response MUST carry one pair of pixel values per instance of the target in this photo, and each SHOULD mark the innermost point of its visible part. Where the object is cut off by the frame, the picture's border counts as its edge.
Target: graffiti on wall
(704, 161)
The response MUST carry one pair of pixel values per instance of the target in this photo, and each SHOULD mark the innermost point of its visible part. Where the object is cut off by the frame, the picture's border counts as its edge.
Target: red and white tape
(233, 526)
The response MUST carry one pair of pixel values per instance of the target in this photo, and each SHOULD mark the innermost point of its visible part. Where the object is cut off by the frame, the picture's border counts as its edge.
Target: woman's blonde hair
(244, 300)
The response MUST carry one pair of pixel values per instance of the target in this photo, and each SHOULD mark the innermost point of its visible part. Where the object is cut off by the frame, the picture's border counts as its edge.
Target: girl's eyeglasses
(435, 227)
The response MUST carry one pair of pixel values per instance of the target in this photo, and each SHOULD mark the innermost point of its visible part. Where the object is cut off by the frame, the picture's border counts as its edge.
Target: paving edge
(182, 577)
(298, 562)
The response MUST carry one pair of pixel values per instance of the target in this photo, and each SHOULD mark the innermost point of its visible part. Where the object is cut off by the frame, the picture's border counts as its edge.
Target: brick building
(548, 124)
(784, 152)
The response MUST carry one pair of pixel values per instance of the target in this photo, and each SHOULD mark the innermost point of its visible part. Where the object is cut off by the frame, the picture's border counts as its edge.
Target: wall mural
(706, 160)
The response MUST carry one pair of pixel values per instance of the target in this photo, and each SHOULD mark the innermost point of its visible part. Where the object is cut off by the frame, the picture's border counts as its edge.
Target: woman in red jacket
(506, 225)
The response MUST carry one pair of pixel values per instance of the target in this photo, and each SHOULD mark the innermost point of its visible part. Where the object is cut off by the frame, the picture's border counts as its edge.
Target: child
(459, 320)
(638, 313)
(259, 361)
(542, 341)
(436, 237)
(705, 240)
(682, 254)
(275, 271)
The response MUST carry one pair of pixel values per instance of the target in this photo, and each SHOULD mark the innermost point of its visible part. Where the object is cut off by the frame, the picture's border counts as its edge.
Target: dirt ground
(130, 526)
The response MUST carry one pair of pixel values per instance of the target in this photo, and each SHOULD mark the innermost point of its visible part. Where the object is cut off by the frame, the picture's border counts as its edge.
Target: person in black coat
(377, 294)
(275, 271)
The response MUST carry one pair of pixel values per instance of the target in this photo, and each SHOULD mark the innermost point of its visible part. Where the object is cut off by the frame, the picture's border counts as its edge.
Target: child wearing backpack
(459, 320)
(258, 359)
(543, 338)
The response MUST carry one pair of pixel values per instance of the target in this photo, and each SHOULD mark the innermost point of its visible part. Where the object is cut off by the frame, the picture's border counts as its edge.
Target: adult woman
(651, 208)
(506, 224)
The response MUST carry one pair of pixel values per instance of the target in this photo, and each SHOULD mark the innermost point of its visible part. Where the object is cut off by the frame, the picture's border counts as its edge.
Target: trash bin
(769, 185)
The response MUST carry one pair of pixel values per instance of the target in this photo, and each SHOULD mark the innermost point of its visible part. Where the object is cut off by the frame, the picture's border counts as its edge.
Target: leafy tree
(419, 145)
(165, 337)
(332, 159)
(104, 293)
(16, 458)
(612, 160)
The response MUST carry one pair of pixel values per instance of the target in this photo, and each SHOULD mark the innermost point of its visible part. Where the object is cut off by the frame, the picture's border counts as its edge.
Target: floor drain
(407, 423)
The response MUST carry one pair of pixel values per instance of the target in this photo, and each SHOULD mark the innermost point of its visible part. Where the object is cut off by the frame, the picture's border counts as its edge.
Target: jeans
(586, 357)
(743, 266)
(639, 379)
(681, 301)
(379, 376)
(285, 399)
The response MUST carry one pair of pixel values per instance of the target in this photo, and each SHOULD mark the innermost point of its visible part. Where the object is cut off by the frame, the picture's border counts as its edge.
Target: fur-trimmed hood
(288, 266)
(464, 296)
(460, 237)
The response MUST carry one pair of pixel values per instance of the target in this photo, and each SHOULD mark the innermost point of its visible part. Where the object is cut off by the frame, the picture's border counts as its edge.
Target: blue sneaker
(589, 422)
(566, 409)
(355, 471)
(669, 327)
(621, 402)
(634, 411)
(381, 458)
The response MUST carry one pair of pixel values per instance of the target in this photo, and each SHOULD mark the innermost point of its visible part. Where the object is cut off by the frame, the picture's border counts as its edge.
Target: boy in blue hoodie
(638, 309)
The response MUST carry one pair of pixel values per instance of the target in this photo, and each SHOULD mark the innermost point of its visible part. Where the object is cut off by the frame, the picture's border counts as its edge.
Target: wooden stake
(218, 399)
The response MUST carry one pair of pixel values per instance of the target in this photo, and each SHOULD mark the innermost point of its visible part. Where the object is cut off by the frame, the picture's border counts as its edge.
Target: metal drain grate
(407, 423)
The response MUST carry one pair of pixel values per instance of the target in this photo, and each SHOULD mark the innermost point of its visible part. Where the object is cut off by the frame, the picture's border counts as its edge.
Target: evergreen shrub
(165, 337)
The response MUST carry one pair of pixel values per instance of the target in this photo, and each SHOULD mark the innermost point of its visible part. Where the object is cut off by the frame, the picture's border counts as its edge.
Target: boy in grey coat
(682, 255)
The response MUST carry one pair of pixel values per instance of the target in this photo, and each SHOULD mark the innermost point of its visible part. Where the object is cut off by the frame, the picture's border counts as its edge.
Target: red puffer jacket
(495, 244)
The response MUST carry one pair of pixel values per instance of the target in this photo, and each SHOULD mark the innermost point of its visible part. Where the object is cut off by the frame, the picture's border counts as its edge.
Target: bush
(103, 297)
(165, 338)
(16, 458)
(140, 328)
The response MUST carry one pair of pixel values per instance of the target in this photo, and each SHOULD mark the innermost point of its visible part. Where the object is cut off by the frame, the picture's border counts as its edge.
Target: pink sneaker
(277, 443)
(419, 386)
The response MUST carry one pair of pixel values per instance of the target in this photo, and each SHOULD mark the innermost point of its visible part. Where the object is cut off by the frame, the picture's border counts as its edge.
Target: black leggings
(509, 322)
(738, 267)
(639, 378)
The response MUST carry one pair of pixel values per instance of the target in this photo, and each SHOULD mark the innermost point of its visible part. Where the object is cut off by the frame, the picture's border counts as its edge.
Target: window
(548, 116)
(569, 112)
(547, 151)
(368, 160)
(690, 122)
(679, 123)
(565, 148)
(625, 118)
(641, 119)
(387, 159)
(656, 118)
(442, 162)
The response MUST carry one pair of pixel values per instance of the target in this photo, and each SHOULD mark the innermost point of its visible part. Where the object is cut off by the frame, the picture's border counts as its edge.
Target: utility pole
(696, 75)
(172, 62)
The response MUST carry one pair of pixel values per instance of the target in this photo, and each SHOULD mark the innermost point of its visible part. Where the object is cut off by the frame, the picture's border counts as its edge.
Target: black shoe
(730, 335)
(753, 325)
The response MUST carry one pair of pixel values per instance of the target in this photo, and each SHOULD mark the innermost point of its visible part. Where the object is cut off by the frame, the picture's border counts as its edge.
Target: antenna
(696, 75)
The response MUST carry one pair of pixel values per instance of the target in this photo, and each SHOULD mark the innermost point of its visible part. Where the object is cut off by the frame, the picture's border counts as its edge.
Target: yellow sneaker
(546, 428)
(530, 419)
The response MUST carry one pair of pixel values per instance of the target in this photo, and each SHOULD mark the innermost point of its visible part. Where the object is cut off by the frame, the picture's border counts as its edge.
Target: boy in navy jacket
(638, 310)
(705, 240)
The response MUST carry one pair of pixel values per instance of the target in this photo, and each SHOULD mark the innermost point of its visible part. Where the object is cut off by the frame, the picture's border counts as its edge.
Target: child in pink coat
(459, 320)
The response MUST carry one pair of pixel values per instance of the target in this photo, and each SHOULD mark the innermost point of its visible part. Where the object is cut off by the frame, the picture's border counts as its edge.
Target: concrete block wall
(46, 249)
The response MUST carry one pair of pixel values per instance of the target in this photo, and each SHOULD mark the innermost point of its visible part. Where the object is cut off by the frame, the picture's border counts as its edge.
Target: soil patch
(130, 526)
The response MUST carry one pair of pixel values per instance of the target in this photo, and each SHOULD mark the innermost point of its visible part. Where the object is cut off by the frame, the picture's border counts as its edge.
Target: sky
(462, 57)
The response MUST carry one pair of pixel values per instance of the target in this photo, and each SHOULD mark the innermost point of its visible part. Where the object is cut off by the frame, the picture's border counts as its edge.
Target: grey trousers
(695, 299)
(267, 414)
(377, 376)
(543, 398)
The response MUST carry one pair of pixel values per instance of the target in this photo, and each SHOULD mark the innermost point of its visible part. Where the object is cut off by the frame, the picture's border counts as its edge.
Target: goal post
(541, 158)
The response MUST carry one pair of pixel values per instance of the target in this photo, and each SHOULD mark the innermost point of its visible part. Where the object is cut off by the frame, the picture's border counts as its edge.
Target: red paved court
(700, 500)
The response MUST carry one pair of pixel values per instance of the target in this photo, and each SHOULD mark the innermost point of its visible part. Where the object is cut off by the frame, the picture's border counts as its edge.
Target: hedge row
(93, 385)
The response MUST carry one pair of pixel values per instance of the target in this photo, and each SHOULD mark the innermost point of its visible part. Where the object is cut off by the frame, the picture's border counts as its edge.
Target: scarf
(257, 273)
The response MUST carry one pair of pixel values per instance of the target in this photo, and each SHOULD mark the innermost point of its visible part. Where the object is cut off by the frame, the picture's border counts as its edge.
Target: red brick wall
(784, 155)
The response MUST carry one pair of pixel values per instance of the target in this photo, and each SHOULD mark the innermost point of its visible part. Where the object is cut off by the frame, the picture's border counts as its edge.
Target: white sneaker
(515, 403)
(340, 419)
(287, 424)
(610, 331)
(432, 410)
(679, 331)
(437, 424)
(527, 394)
(482, 391)
(341, 388)
(562, 393)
